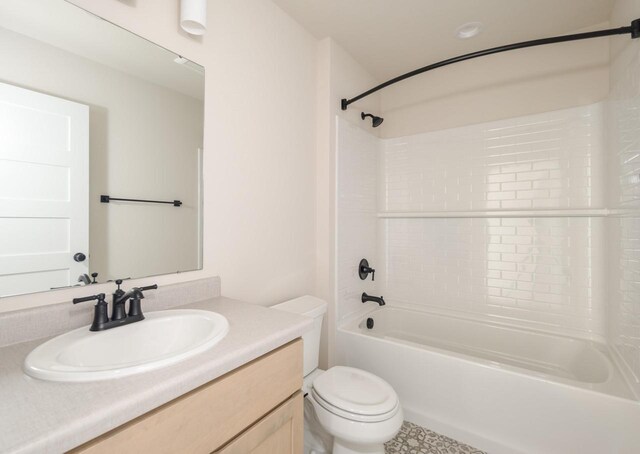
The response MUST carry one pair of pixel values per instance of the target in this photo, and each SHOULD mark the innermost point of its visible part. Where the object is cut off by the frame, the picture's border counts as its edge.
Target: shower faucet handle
(364, 270)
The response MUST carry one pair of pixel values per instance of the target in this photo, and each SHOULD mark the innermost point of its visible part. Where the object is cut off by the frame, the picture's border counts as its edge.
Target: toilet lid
(356, 391)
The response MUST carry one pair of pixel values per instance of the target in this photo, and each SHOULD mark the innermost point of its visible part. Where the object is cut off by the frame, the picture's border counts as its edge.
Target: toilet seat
(352, 416)
(355, 395)
(366, 435)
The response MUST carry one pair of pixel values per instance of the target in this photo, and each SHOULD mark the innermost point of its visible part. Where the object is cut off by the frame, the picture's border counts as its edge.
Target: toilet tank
(313, 307)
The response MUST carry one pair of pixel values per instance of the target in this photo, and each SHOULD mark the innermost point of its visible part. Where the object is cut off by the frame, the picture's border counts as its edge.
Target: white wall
(259, 142)
(501, 86)
(623, 228)
(128, 157)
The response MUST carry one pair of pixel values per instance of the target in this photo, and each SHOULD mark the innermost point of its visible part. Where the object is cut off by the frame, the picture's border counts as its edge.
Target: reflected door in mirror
(44, 191)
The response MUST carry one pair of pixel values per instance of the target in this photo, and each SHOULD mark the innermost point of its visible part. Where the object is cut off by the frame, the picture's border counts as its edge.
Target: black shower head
(375, 121)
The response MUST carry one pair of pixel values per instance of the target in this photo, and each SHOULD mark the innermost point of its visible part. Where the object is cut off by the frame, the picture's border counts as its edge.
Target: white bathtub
(499, 388)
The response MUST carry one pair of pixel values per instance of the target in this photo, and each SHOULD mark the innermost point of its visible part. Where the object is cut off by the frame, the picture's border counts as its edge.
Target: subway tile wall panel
(545, 161)
(538, 272)
(543, 273)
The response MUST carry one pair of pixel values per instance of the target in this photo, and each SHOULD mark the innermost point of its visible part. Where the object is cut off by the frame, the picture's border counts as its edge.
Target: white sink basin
(163, 338)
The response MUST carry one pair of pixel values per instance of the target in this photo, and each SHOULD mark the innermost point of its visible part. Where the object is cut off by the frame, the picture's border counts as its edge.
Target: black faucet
(375, 299)
(119, 317)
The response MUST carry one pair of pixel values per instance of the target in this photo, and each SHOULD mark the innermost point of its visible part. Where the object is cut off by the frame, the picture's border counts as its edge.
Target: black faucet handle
(118, 293)
(135, 309)
(364, 270)
(100, 297)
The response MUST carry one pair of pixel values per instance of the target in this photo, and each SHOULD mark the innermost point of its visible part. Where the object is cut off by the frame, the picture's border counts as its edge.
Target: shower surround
(502, 221)
(490, 228)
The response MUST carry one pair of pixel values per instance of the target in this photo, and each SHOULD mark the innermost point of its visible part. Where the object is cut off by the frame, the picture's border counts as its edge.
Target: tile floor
(413, 439)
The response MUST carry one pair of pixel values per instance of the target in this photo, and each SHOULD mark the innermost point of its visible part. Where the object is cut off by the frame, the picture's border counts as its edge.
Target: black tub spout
(375, 299)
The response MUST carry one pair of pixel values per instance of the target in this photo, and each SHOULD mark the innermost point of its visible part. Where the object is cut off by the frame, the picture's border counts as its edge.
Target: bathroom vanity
(242, 395)
(255, 408)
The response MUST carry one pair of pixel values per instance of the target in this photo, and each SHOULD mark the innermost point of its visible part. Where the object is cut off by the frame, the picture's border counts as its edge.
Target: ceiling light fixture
(468, 30)
(193, 16)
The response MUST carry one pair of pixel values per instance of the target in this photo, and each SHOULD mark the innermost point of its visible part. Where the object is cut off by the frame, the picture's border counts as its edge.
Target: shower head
(375, 121)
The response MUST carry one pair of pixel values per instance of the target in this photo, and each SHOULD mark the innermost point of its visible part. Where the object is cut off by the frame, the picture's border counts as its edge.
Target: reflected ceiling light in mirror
(468, 30)
(193, 16)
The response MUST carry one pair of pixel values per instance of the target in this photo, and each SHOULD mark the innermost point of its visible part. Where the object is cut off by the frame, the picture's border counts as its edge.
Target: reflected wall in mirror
(89, 109)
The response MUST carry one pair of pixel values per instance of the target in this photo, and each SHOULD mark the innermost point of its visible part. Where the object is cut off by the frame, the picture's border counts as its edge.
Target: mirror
(91, 113)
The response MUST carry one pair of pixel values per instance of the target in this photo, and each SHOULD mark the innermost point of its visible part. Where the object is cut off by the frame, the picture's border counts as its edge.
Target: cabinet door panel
(280, 432)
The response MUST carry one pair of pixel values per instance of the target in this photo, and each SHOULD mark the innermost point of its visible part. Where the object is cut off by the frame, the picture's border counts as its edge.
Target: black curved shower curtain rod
(634, 29)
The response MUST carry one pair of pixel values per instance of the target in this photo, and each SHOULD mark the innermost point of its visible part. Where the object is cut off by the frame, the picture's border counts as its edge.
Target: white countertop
(47, 417)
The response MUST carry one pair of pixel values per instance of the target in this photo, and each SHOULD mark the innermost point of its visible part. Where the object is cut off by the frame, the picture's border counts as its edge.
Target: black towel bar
(107, 199)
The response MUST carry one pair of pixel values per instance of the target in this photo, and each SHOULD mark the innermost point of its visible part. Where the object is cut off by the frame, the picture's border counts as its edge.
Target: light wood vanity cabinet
(257, 408)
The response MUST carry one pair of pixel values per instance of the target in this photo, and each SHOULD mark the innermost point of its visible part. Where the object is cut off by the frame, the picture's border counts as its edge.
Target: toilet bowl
(347, 410)
(360, 410)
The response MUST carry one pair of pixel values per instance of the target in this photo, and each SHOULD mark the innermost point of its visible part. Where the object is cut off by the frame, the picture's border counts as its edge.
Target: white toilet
(358, 409)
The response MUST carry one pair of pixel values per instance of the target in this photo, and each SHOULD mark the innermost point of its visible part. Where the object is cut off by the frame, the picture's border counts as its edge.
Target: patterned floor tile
(413, 439)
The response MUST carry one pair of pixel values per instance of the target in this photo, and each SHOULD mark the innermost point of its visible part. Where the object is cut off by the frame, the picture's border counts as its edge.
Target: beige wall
(506, 85)
(259, 142)
(128, 157)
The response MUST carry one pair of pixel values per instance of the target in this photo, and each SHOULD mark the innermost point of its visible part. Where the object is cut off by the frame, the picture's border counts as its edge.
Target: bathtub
(499, 388)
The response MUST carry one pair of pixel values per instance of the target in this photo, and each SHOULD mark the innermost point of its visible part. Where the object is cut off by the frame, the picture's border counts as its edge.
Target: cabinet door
(280, 432)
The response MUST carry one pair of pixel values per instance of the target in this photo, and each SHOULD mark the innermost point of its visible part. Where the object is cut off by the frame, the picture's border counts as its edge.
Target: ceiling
(392, 37)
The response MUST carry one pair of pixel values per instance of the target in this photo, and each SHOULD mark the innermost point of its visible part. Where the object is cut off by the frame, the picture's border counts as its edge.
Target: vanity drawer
(206, 418)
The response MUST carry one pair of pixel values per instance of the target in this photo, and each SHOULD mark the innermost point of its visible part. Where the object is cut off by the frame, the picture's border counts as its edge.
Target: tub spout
(375, 299)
